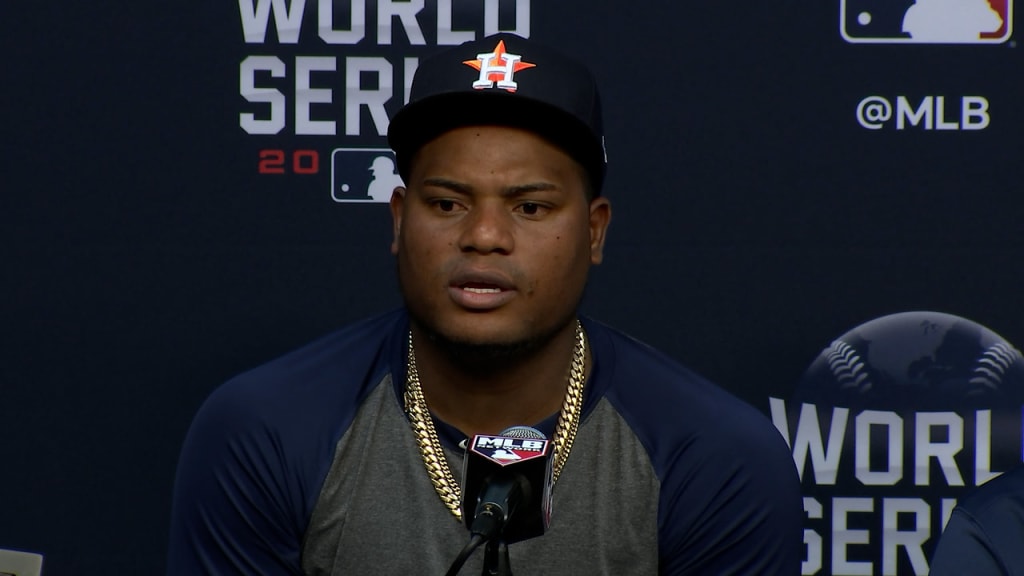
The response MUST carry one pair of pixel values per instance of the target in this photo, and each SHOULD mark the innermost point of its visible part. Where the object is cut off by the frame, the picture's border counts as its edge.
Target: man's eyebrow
(510, 192)
(448, 185)
(520, 189)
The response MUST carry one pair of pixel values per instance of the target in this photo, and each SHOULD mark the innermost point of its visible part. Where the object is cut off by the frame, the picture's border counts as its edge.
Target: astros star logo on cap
(497, 68)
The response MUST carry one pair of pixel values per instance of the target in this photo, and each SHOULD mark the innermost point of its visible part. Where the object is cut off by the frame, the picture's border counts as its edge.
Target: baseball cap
(505, 80)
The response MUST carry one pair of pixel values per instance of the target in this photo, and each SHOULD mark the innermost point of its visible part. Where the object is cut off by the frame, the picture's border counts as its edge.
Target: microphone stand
(496, 562)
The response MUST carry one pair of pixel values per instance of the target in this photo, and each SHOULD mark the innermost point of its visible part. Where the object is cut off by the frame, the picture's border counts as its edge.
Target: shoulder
(1000, 499)
(984, 532)
(729, 491)
(669, 406)
(332, 373)
(284, 418)
(256, 454)
(287, 415)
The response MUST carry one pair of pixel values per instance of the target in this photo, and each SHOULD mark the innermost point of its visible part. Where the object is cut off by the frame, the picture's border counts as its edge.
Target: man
(343, 457)
(984, 534)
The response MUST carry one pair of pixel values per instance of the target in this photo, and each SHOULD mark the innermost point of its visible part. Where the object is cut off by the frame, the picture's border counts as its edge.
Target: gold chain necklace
(430, 445)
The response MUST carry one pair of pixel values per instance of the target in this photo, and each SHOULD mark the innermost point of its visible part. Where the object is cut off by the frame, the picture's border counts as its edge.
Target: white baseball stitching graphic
(993, 363)
(847, 367)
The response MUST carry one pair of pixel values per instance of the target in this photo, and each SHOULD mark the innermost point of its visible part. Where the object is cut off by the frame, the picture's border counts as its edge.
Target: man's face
(494, 236)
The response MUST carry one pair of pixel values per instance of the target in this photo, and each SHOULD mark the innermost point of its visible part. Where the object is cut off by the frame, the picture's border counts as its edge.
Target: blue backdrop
(172, 212)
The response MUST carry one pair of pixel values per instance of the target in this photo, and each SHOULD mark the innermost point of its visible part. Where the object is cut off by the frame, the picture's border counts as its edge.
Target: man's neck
(486, 399)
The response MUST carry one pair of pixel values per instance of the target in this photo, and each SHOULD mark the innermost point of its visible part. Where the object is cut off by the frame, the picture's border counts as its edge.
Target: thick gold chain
(432, 453)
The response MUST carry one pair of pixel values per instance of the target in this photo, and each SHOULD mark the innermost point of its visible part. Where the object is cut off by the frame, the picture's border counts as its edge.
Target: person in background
(985, 533)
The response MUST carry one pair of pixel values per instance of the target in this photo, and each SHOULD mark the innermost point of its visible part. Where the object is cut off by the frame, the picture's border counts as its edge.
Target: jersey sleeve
(254, 461)
(965, 548)
(729, 494)
(232, 512)
(732, 509)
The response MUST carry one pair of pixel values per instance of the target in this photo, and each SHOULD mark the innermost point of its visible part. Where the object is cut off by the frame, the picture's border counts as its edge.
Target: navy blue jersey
(307, 465)
(985, 533)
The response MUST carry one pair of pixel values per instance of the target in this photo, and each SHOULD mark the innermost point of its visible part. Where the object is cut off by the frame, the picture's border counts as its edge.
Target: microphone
(506, 487)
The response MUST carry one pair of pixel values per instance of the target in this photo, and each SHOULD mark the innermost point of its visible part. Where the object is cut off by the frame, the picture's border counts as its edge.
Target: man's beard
(485, 357)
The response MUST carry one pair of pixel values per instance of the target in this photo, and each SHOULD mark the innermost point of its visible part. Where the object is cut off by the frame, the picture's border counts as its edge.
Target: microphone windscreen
(528, 432)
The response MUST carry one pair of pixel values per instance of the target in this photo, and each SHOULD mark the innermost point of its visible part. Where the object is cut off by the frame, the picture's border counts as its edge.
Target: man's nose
(488, 228)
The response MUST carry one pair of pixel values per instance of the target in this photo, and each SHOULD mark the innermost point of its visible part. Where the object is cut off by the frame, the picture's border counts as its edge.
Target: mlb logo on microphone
(363, 175)
(926, 21)
(504, 450)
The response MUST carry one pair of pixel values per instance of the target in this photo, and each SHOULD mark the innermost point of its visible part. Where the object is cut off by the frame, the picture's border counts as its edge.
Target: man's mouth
(482, 293)
(482, 289)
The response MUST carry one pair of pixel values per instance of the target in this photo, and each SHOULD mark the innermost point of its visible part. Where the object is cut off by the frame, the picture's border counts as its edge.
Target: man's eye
(530, 208)
(446, 205)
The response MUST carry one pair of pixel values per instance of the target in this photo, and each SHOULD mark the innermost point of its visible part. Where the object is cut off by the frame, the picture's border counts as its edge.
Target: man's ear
(600, 217)
(397, 202)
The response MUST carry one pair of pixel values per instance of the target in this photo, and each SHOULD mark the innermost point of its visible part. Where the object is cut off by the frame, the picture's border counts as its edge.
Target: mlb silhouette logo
(926, 21)
(363, 175)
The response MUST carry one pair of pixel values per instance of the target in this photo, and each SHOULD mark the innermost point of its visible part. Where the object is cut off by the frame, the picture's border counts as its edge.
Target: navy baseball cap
(504, 80)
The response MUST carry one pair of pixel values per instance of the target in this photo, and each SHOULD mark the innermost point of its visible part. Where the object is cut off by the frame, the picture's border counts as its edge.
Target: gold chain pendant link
(572, 405)
(432, 452)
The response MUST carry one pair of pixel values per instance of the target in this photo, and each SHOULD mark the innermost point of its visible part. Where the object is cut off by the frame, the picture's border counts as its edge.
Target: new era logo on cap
(497, 68)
